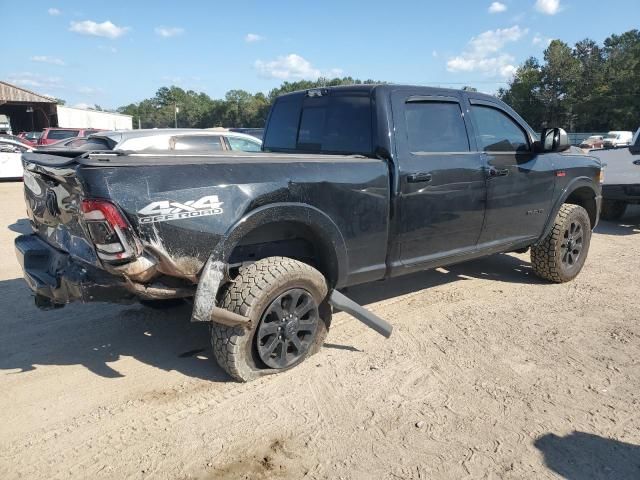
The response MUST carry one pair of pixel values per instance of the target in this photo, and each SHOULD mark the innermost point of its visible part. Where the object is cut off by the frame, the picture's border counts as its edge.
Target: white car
(150, 140)
(617, 138)
(11, 158)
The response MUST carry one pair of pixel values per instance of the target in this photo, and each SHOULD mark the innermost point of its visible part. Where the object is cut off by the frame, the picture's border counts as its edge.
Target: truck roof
(370, 87)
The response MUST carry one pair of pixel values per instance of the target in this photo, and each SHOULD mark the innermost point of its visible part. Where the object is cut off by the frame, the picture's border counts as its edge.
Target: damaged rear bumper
(57, 279)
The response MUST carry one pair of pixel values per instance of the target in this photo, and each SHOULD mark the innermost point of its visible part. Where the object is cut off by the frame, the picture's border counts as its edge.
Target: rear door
(440, 208)
(520, 182)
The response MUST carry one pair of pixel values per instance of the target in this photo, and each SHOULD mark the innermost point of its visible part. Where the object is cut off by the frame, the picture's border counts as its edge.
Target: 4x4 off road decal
(165, 210)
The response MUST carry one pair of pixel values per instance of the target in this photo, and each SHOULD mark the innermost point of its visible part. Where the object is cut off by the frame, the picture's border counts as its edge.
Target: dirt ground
(490, 373)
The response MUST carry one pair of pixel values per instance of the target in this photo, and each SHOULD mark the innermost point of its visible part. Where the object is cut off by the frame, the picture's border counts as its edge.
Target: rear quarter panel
(352, 192)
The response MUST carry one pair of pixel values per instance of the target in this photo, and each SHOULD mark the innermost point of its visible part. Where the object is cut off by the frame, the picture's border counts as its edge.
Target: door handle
(497, 172)
(419, 177)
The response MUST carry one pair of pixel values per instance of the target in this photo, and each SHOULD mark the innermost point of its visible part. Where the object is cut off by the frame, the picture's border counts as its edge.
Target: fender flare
(571, 187)
(215, 272)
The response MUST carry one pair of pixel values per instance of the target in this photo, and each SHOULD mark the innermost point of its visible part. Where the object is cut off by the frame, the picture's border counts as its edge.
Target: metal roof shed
(26, 110)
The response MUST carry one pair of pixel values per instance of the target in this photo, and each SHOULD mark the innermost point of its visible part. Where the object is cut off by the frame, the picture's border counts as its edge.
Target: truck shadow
(629, 224)
(582, 456)
(501, 268)
(98, 335)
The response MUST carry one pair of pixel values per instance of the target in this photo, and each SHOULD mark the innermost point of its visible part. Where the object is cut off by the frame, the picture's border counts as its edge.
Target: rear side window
(435, 127)
(497, 132)
(335, 123)
(62, 134)
(283, 124)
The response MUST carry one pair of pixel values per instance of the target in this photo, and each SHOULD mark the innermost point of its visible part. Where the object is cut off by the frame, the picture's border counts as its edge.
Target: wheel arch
(580, 191)
(296, 221)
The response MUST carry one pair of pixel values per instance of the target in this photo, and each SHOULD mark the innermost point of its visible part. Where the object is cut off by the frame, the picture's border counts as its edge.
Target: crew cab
(621, 185)
(354, 184)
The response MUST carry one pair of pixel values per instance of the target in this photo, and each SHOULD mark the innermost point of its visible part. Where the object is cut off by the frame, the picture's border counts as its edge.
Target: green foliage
(585, 88)
(197, 110)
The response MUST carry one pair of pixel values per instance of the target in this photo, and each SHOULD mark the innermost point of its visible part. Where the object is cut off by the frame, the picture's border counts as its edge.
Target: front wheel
(561, 255)
(285, 301)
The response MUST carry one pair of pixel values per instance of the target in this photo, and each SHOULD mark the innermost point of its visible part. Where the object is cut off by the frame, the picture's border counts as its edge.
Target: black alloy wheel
(287, 328)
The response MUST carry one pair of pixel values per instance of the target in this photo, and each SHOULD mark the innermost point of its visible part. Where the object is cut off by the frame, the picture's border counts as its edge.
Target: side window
(282, 129)
(435, 127)
(243, 144)
(497, 132)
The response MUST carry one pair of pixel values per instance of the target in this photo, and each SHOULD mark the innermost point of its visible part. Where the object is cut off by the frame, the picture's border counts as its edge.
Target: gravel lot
(490, 373)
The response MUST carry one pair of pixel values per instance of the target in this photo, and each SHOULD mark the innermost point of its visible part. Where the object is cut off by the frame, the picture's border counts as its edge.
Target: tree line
(239, 108)
(587, 88)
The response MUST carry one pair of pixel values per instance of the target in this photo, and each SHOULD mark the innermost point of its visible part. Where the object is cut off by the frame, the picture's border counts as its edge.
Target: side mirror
(554, 140)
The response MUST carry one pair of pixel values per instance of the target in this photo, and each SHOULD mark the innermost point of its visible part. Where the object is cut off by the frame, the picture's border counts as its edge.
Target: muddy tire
(286, 302)
(612, 209)
(561, 255)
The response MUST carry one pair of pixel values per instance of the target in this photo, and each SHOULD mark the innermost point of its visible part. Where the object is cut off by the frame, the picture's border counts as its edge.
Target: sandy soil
(490, 373)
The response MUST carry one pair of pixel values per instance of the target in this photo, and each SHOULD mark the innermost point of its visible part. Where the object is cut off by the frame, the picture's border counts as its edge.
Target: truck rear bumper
(57, 279)
(625, 193)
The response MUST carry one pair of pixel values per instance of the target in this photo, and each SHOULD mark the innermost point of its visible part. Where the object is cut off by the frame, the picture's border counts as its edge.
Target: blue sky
(114, 53)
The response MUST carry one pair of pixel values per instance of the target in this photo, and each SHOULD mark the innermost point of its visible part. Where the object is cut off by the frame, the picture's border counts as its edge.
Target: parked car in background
(5, 125)
(66, 144)
(179, 139)
(621, 185)
(30, 137)
(11, 157)
(254, 132)
(52, 135)
(594, 141)
(617, 139)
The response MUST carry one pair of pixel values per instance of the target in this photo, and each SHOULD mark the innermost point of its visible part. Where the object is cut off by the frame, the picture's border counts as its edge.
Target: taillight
(108, 228)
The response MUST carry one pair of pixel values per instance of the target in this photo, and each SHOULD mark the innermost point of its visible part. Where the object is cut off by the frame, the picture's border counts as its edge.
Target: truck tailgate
(53, 196)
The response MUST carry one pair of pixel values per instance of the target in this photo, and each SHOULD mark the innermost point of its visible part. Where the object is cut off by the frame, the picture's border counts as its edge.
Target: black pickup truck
(354, 184)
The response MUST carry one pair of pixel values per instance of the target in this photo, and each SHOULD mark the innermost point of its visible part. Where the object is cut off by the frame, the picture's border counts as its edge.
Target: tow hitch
(371, 320)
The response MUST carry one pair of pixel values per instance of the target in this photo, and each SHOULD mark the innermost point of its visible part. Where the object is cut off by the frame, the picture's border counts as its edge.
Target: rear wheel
(285, 302)
(612, 209)
(561, 255)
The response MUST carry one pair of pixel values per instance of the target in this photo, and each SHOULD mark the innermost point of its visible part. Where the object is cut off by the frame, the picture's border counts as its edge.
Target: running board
(345, 304)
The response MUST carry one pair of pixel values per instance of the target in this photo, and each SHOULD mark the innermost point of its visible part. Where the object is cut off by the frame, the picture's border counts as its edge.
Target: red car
(53, 135)
(30, 137)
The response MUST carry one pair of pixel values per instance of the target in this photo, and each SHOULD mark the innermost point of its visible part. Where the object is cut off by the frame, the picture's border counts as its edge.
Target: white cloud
(253, 37)
(539, 39)
(483, 53)
(104, 29)
(167, 32)
(292, 66)
(35, 81)
(548, 7)
(53, 12)
(83, 105)
(497, 7)
(47, 59)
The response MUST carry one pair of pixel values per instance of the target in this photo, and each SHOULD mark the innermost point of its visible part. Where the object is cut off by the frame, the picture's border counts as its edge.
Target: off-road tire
(547, 256)
(612, 209)
(249, 294)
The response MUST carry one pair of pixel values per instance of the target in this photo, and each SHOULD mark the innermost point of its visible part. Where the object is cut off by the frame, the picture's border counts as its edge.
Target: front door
(520, 182)
(440, 207)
